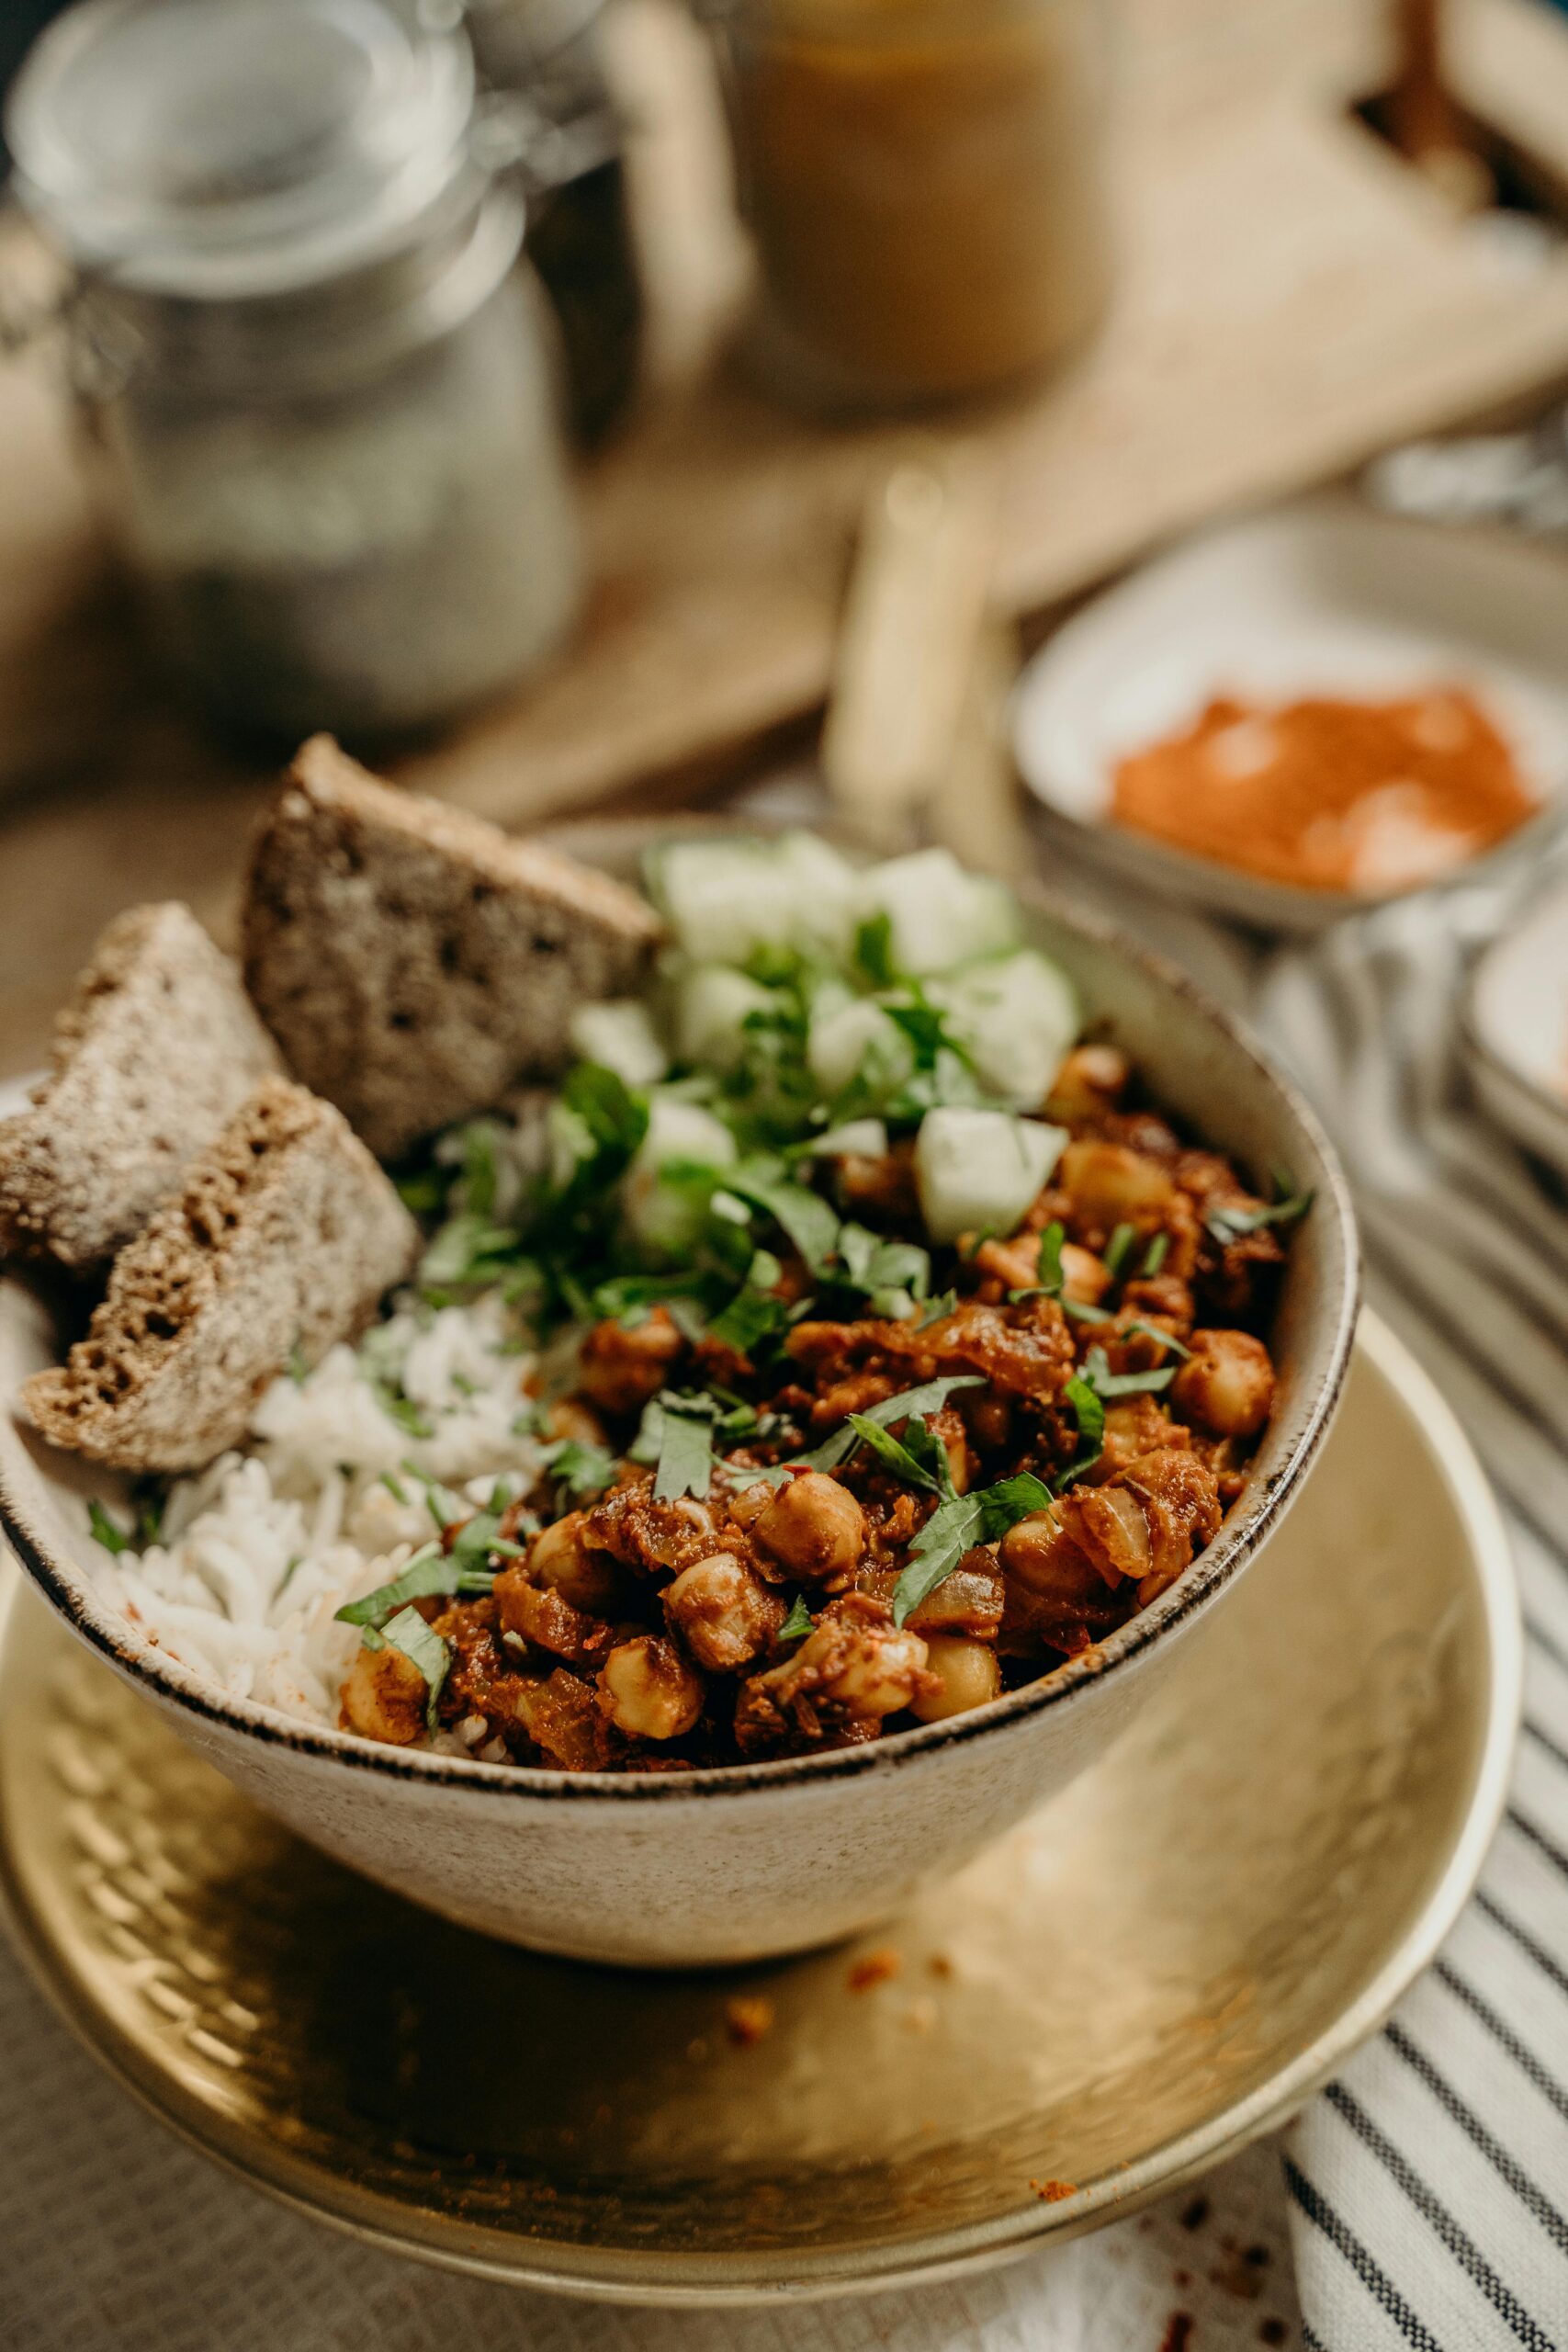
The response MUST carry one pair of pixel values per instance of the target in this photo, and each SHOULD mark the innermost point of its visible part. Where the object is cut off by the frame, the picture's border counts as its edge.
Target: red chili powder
(1369, 796)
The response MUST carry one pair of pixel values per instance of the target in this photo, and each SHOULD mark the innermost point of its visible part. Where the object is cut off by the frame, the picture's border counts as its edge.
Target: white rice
(259, 1550)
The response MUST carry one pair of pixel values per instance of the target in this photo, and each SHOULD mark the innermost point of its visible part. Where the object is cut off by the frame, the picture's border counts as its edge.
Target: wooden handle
(912, 621)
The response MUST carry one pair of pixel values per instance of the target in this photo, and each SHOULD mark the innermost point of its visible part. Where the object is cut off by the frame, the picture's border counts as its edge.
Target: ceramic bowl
(1325, 597)
(1513, 1025)
(759, 1859)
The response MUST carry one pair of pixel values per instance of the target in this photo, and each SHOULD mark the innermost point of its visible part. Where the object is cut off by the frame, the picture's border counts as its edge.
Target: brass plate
(1156, 1968)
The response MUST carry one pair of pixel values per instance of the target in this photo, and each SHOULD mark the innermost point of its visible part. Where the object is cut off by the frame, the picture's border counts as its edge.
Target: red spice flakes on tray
(1330, 795)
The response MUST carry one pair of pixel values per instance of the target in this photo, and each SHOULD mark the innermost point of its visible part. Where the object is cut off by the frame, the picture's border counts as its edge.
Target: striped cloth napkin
(1430, 2185)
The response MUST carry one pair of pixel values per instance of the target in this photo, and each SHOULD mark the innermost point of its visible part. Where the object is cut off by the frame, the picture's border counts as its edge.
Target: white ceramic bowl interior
(758, 1858)
(1325, 597)
(1514, 1025)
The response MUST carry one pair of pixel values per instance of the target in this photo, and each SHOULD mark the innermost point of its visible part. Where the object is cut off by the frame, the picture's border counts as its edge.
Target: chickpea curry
(922, 1352)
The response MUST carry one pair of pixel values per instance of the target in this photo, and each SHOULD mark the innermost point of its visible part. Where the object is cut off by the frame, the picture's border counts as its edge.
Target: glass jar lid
(208, 148)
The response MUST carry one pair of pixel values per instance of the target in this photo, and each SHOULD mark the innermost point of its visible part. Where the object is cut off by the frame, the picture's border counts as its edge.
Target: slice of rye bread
(286, 1235)
(156, 1048)
(411, 960)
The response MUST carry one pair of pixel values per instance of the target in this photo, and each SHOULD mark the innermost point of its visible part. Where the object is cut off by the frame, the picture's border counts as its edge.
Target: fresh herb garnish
(394, 1488)
(579, 1464)
(1227, 1224)
(409, 1634)
(1156, 1255)
(755, 1312)
(1161, 1337)
(299, 1365)
(873, 951)
(1048, 1282)
(1106, 1383)
(898, 1458)
(104, 1531)
(431, 1570)
(1117, 1248)
(677, 1434)
(935, 1309)
(953, 1528)
(1089, 1414)
(443, 1507)
(799, 1621)
(469, 1252)
(803, 1215)
(1010, 1500)
(910, 1404)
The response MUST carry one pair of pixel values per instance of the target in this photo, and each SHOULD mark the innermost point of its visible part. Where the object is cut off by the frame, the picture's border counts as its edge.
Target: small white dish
(1514, 1026)
(1325, 597)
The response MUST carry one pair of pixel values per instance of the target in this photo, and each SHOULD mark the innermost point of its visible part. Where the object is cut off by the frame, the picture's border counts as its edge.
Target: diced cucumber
(621, 1034)
(852, 1037)
(977, 1171)
(1017, 1015)
(861, 1138)
(666, 1211)
(724, 900)
(710, 1003)
(940, 915)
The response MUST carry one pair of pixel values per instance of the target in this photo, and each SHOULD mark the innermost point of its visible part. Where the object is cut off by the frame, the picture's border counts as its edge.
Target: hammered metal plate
(1155, 1967)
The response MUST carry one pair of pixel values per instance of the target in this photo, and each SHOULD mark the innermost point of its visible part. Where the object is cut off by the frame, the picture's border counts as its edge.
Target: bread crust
(156, 1047)
(415, 962)
(285, 1236)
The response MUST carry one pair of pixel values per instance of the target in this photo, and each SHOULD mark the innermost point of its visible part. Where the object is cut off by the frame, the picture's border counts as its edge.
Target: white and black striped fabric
(1429, 2186)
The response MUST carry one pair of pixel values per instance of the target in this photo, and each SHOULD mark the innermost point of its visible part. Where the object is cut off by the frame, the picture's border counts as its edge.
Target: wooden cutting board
(1292, 297)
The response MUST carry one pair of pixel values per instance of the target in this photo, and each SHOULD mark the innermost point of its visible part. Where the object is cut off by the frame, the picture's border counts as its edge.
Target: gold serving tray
(1160, 1965)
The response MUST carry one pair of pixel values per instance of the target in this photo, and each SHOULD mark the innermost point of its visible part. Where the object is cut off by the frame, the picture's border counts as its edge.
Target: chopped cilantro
(953, 1528)
(1156, 1255)
(1010, 1500)
(799, 1621)
(299, 1365)
(1161, 1337)
(104, 1531)
(1227, 1224)
(409, 1634)
(910, 1404)
(1118, 1247)
(898, 1458)
(1089, 1414)
(1106, 1383)
(431, 1570)
(804, 1215)
(685, 1447)
(579, 1464)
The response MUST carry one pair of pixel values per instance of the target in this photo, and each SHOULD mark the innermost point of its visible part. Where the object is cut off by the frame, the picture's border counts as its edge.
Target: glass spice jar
(925, 184)
(545, 57)
(318, 395)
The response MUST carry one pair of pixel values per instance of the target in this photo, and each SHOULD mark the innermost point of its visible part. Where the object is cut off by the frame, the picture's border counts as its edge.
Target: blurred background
(564, 401)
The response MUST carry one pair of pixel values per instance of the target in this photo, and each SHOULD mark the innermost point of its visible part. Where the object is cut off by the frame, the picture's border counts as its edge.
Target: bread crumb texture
(156, 1048)
(415, 962)
(285, 1236)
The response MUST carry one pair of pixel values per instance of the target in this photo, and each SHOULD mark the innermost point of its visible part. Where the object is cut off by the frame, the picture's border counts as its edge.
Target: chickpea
(969, 1673)
(560, 1558)
(1037, 1552)
(1227, 1386)
(724, 1613)
(1110, 1185)
(1085, 1278)
(1091, 1079)
(648, 1690)
(622, 1366)
(386, 1697)
(869, 1669)
(814, 1526)
(567, 1417)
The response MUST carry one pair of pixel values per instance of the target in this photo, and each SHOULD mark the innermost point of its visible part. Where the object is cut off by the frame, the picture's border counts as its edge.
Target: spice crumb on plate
(1054, 2192)
(873, 1968)
(748, 2017)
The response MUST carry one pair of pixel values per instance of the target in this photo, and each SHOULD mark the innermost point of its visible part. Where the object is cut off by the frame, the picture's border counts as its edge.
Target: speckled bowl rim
(1333, 1230)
